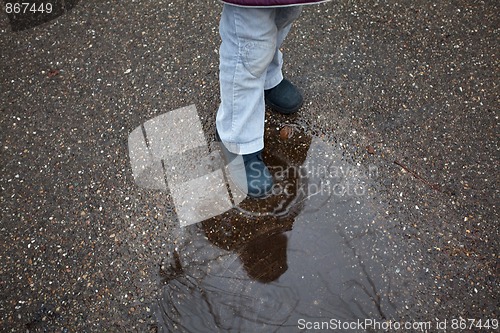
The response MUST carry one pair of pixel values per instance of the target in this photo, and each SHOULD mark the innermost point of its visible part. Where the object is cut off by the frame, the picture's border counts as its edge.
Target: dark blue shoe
(259, 179)
(284, 98)
(248, 172)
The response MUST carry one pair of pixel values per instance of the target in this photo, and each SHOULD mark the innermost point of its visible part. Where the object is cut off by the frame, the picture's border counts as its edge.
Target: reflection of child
(250, 76)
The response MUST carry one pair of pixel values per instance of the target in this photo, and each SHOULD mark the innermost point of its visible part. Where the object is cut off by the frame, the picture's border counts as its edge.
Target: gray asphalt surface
(408, 86)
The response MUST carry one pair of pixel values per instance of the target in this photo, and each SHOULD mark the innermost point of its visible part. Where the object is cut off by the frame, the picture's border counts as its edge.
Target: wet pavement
(385, 204)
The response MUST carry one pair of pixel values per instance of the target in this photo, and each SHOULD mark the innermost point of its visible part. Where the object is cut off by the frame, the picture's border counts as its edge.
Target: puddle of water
(301, 257)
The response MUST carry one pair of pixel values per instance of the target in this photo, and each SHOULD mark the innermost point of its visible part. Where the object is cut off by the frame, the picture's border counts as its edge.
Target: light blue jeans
(250, 61)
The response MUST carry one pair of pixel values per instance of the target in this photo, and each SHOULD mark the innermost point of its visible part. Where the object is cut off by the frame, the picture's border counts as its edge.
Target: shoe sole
(282, 110)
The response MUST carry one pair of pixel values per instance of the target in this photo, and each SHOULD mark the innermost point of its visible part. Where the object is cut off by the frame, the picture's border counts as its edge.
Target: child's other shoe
(284, 98)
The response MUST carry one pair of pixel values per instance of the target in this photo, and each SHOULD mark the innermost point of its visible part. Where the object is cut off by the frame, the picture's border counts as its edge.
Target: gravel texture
(408, 86)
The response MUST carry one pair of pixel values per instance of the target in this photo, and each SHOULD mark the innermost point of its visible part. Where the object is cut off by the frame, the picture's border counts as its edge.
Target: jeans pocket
(257, 56)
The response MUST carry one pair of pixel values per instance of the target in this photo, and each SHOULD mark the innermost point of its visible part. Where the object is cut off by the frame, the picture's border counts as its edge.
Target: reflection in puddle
(285, 262)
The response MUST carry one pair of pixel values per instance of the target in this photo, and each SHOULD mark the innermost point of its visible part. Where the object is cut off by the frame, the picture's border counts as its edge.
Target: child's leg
(249, 37)
(283, 20)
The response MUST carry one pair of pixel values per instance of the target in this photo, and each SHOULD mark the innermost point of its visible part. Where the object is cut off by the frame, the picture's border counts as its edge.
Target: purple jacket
(271, 3)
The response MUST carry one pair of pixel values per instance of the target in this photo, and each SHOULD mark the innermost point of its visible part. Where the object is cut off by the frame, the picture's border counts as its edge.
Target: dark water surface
(283, 263)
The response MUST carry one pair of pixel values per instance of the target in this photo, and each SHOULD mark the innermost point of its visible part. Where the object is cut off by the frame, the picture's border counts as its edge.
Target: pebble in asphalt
(409, 87)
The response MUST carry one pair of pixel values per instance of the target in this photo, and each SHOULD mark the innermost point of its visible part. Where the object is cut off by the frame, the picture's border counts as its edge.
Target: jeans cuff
(273, 80)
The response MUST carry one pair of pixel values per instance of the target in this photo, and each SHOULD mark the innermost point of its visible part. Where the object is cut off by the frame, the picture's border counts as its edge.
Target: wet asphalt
(410, 87)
